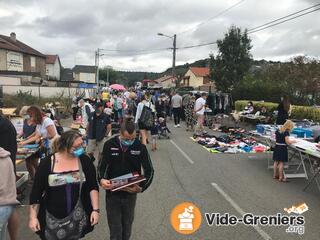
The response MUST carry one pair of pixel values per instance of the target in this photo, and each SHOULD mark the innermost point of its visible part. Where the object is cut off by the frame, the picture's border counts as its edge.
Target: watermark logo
(296, 209)
(186, 218)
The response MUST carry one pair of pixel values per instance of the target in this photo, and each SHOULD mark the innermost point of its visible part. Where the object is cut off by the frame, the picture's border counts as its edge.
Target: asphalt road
(221, 183)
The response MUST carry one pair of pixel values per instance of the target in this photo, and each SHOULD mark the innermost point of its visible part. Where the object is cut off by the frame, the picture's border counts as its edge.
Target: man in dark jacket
(8, 139)
(122, 155)
(98, 129)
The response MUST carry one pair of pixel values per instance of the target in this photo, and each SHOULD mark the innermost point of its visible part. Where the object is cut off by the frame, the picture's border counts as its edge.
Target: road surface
(222, 183)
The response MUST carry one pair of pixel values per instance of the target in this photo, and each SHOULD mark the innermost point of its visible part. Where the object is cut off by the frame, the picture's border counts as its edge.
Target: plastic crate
(302, 132)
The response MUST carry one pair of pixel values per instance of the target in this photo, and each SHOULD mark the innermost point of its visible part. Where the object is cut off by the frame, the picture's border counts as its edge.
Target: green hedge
(298, 112)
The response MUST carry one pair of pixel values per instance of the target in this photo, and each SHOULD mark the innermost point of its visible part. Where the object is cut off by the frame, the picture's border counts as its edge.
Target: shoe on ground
(178, 125)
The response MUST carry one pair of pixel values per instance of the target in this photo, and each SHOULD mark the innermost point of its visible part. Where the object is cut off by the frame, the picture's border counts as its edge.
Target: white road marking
(262, 233)
(182, 152)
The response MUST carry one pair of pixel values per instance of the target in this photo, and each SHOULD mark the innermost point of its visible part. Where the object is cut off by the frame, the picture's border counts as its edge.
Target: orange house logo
(186, 218)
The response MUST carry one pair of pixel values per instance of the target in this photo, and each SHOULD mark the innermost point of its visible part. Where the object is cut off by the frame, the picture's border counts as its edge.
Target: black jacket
(116, 162)
(8, 138)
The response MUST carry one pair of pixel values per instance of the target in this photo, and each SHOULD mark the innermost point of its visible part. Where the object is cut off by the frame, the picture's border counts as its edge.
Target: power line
(286, 20)
(134, 51)
(163, 49)
(129, 54)
(215, 16)
(259, 28)
(283, 17)
(264, 26)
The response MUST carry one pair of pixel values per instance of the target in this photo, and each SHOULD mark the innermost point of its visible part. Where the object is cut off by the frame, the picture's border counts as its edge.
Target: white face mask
(26, 117)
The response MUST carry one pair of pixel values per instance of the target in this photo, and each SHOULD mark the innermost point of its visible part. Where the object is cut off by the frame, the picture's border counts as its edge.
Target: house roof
(148, 80)
(66, 74)
(9, 44)
(51, 59)
(200, 71)
(84, 69)
(165, 78)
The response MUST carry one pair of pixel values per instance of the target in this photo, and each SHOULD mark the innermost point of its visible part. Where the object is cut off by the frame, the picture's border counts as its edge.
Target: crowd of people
(64, 200)
(118, 125)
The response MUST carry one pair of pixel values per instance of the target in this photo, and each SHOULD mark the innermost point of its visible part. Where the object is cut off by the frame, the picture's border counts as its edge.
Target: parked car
(184, 90)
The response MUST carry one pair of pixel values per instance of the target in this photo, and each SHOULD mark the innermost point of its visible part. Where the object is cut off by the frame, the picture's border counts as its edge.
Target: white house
(167, 81)
(84, 73)
(53, 67)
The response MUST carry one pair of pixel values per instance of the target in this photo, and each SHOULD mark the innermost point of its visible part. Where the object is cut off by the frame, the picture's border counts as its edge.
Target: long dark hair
(36, 113)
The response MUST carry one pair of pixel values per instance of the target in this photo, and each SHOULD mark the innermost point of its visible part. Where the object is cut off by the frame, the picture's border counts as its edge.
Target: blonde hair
(288, 125)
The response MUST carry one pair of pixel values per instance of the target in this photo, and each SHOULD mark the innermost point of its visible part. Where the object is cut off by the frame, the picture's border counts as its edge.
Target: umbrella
(118, 87)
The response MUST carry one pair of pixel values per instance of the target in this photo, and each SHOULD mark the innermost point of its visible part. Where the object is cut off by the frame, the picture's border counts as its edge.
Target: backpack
(90, 107)
(147, 118)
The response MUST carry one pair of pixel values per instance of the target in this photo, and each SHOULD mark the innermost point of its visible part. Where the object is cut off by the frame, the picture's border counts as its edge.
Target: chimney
(13, 36)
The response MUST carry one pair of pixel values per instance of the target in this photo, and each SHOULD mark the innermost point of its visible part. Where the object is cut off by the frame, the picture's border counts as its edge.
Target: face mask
(26, 117)
(127, 143)
(78, 152)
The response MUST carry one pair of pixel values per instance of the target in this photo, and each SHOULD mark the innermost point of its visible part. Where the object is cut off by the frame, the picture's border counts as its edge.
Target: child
(154, 134)
(280, 154)
(163, 126)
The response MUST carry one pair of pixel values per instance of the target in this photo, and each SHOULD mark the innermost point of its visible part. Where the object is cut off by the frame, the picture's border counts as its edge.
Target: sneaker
(178, 125)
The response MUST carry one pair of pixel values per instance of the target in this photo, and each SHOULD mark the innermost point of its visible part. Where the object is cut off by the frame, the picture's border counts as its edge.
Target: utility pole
(97, 66)
(108, 75)
(174, 55)
(174, 38)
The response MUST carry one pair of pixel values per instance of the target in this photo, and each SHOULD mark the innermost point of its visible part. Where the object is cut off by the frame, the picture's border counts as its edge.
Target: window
(33, 62)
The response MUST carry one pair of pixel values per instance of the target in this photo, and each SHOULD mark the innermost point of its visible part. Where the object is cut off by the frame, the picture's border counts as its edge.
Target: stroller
(163, 130)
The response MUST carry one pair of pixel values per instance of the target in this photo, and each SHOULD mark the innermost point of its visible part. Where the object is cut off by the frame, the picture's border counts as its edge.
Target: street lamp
(174, 38)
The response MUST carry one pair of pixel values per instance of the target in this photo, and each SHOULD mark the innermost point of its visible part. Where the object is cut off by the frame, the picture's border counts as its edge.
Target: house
(196, 77)
(20, 61)
(67, 75)
(67, 79)
(85, 73)
(149, 83)
(53, 67)
(167, 81)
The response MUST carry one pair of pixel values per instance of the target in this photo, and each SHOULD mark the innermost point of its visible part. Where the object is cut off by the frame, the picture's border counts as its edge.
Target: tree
(114, 76)
(233, 60)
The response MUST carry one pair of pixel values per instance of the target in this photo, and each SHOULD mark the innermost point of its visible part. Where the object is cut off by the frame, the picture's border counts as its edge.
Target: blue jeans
(5, 212)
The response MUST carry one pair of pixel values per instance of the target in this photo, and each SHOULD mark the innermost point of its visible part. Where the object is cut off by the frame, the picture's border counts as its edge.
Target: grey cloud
(74, 25)
(75, 29)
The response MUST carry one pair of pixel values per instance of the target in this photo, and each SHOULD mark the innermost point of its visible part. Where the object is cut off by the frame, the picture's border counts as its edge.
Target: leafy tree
(114, 76)
(233, 60)
(299, 79)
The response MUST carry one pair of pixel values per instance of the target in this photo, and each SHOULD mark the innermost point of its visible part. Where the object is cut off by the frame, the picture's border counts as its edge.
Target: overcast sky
(74, 29)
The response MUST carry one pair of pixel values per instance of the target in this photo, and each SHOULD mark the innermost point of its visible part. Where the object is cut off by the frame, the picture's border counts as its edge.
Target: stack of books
(126, 180)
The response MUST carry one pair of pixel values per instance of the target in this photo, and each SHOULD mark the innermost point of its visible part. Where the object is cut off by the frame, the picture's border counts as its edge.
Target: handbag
(146, 117)
(70, 227)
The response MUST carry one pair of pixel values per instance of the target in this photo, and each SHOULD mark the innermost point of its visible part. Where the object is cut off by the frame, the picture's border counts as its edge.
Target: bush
(241, 104)
(27, 99)
(298, 112)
